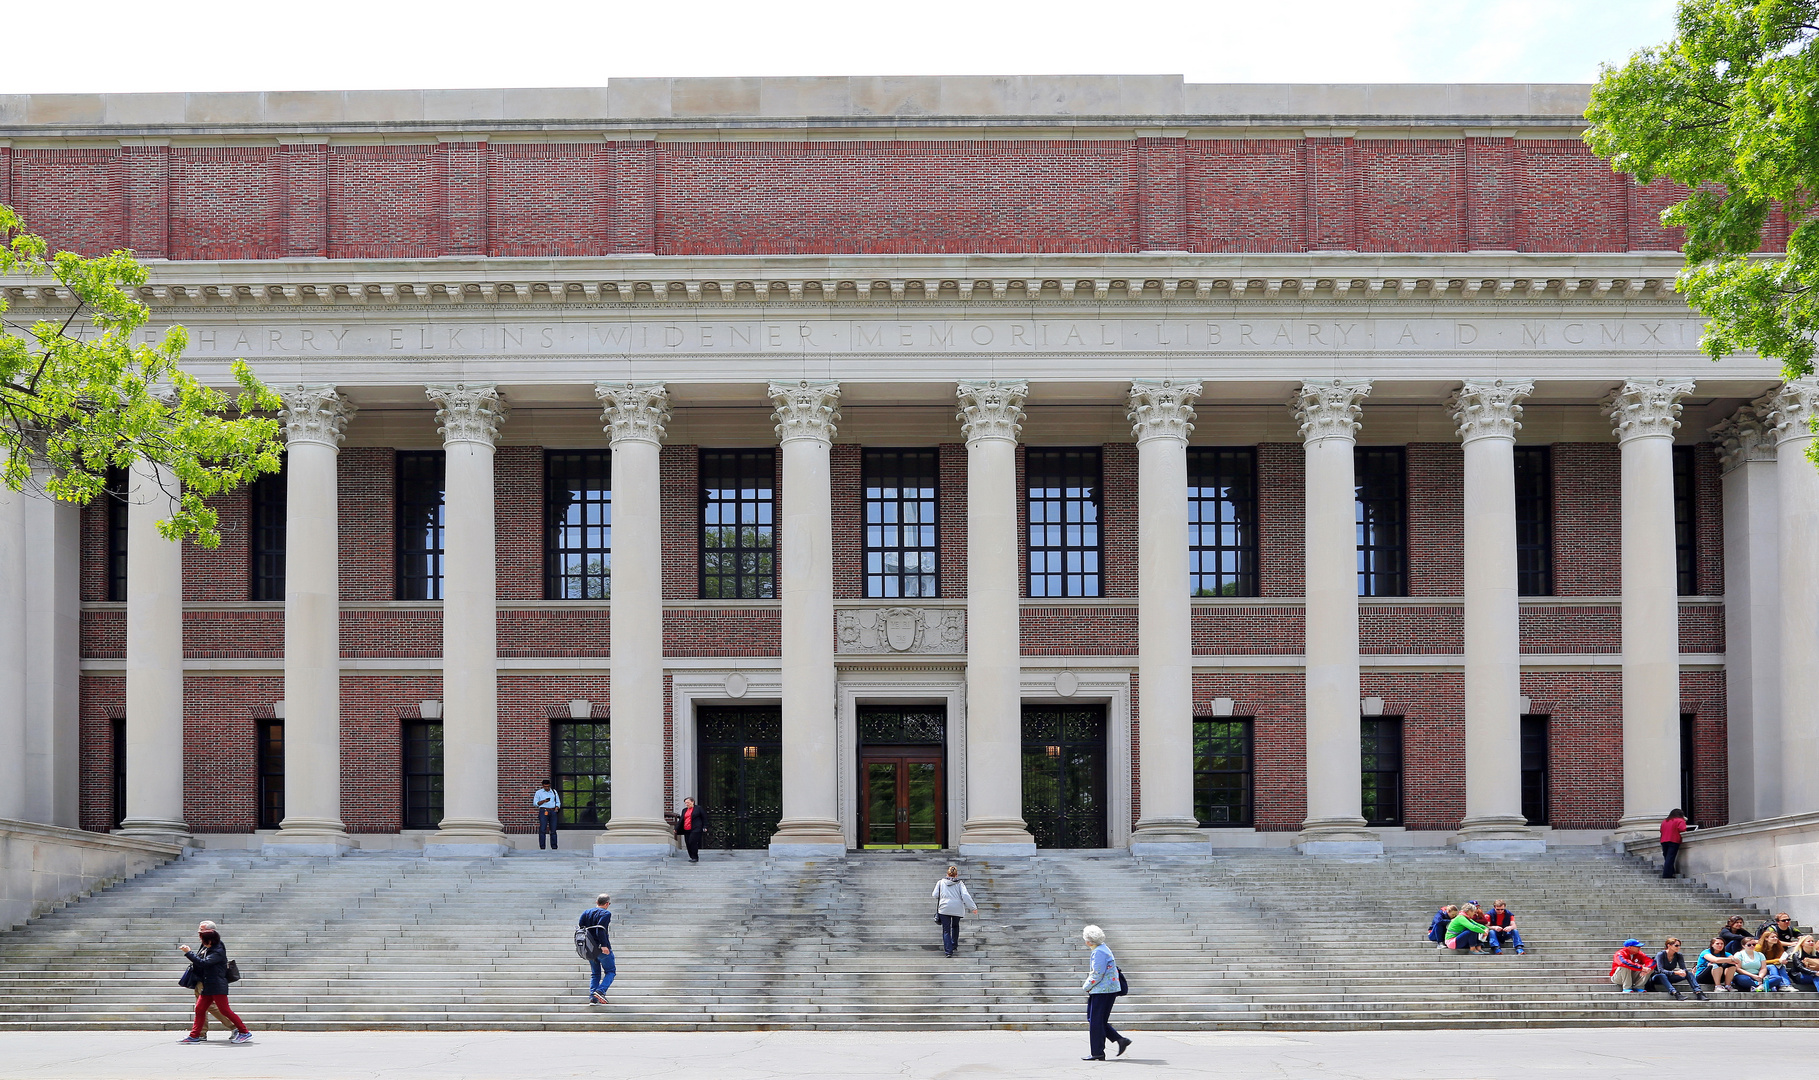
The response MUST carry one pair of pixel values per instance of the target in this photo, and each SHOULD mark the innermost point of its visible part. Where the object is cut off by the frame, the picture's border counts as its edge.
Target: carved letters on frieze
(892, 630)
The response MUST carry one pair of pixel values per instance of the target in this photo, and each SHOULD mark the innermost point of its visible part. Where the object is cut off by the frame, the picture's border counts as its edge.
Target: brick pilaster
(145, 174)
(304, 167)
(1162, 194)
(634, 225)
(1332, 193)
(464, 166)
(1489, 190)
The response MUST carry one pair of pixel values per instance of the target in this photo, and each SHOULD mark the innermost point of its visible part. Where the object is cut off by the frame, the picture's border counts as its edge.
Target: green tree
(82, 397)
(1730, 109)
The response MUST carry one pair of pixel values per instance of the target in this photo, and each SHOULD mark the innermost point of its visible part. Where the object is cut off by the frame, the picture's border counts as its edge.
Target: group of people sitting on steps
(1469, 928)
(1775, 957)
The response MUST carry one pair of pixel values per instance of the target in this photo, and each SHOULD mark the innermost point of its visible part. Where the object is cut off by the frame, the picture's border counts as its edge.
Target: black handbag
(1124, 984)
(233, 971)
(188, 979)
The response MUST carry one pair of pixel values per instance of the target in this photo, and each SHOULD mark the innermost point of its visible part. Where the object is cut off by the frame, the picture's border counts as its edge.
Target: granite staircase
(1262, 940)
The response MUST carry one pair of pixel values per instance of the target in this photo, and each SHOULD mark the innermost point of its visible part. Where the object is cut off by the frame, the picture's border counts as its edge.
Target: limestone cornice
(1490, 408)
(991, 410)
(635, 411)
(1646, 408)
(1161, 410)
(1744, 436)
(1329, 409)
(1791, 410)
(1169, 280)
(314, 413)
(467, 412)
(805, 410)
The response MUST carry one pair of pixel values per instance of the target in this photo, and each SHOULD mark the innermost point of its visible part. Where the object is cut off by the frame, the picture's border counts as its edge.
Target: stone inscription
(451, 337)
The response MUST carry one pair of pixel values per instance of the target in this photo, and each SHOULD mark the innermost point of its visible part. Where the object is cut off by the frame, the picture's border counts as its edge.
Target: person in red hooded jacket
(1631, 968)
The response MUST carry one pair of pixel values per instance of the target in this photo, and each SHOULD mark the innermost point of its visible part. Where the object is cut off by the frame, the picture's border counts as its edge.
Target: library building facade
(982, 464)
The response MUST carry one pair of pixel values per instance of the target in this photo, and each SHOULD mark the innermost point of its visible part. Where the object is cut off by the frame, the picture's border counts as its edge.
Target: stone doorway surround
(1075, 683)
(900, 686)
(723, 685)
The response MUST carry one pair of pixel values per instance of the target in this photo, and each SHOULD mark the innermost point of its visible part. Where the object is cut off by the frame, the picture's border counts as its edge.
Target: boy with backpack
(593, 944)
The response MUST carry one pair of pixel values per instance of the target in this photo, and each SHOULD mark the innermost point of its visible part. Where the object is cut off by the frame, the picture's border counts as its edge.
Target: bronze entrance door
(900, 798)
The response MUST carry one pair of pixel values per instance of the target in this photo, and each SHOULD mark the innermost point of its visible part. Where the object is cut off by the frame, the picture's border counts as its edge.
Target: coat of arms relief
(902, 630)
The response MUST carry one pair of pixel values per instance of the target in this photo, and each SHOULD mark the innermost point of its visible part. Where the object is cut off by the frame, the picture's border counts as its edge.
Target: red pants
(203, 1002)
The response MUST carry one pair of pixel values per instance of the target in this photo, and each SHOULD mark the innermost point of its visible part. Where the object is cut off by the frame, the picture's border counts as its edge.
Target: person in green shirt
(1466, 931)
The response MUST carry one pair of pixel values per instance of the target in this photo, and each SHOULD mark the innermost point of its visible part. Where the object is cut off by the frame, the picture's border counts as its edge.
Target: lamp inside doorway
(751, 753)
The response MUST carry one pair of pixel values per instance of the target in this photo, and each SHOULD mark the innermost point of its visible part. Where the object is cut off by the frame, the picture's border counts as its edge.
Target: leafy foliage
(82, 397)
(1730, 108)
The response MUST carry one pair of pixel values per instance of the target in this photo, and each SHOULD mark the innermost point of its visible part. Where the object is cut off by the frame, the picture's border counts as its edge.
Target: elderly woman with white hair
(1104, 984)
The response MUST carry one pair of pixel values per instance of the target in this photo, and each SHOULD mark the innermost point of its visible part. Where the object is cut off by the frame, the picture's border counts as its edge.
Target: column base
(1170, 836)
(308, 836)
(467, 838)
(635, 838)
(808, 838)
(996, 836)
(1337, 836)
(163, 832)
(1498, 836)
(1645, 827)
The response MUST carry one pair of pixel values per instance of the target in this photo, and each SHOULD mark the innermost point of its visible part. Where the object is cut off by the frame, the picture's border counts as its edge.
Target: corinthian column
(634, 417)
(991, 415)
(1792, 411)
(314, 418)
(805, 417)
(470, 415)
(15, 783)
(1161, 416)
(1645, 414)
(1328, 412)
(154, 660)
(1489, 414)
(1752, 611)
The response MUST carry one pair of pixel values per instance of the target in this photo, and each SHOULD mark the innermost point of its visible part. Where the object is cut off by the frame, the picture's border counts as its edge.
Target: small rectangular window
(581, 767)
(119, 491)
(738, 524)
(270, 734)
(267, 510)
(1535, 769)
(421, 488)
(902, 553)
(1534, 521)
(1063, 490)
(1382, 759)
(1686, 525)
(1222, 520)
(1222, 771)
(422, 769)
(577, 524)
(1382, 516)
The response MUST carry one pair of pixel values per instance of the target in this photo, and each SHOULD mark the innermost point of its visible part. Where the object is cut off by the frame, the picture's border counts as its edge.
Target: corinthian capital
(805, 410)
(314, 413)
(1744, 436)
(1161, 410)
(467, 412)
(1646, 407)
(1790, 410)
(992, 410)
(1490, 409)
(635, 412)
(1329, 409)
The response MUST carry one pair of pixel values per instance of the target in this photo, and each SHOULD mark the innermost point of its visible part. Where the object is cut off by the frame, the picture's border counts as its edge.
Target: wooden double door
(902, 802)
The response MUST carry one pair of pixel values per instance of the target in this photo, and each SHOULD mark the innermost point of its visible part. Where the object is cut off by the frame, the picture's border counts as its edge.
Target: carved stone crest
(902, 630)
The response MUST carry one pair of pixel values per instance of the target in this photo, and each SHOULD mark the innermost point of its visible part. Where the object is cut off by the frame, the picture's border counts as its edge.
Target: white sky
(116, 46)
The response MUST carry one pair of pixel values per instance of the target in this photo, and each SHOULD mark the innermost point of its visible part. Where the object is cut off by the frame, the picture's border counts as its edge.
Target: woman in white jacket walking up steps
(952, 902)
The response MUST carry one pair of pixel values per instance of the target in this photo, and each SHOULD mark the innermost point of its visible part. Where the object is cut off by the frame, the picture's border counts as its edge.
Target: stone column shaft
(1752, 613)
(1792, 410)
(53, 662)
(991, 415)
(810, 828)
(1161, 416)
(314, 417)
(470, 415)
(15, 781)
(1329, 412)
(634, 417)
(154, 660)
(1645, 414)
(1489, 414)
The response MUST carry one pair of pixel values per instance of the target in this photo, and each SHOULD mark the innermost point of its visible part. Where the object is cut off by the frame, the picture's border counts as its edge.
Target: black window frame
(119, 491)
(1536, 763)
(566, 539)
(268, 774)
(1380, 479)
(1380, 737)
(422, 582)
(267, 511)
(1222, 509)
(1689, 766)
(1246, 773)
(599, 742)
(1534, 520)
(1075, 475)
(117, 738)
(416, 812)
(885, 476)
(758, 548)
(1686, 523)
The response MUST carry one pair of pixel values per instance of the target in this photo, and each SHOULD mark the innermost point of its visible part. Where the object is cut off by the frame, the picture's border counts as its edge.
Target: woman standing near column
(1103, 985)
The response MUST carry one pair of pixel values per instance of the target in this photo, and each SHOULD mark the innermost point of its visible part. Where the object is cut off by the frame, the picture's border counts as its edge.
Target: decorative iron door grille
(1064, 775)
(740, 751)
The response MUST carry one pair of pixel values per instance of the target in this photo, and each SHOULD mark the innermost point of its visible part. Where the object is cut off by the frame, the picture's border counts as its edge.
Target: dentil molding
(314, 413)
(805, 410)
(1490, 408)
(1642, 408)
(1330, 409)
(468, 412)
(635, 411)
(901, 630)
(991, 410)
(1161, 410)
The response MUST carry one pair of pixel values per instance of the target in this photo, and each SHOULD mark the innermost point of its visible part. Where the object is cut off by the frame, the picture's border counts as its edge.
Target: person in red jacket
(1671, 831)
(1631, 968)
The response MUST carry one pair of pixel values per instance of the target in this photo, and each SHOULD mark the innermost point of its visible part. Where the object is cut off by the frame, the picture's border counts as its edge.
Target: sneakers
(1520, 950)
(1784, 989)
(192, 1039)
(241, 1037)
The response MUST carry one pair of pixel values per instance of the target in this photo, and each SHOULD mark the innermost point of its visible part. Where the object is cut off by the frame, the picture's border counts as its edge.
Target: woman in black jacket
(210, 968)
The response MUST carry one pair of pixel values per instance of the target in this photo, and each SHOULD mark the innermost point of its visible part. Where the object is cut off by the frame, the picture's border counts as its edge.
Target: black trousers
(1670, 854)
(692, 841)
(950, 933)
(1099, 1022)
(546, 823)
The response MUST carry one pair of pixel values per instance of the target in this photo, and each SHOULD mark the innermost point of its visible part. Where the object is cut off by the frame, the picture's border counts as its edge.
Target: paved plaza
(937, 1055)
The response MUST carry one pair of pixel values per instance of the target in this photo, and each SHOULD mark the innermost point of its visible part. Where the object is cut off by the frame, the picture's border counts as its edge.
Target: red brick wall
(848, 495)
(224, 203)
(1411, 195)
(1278, 704)
(1281, 519)
(385, 202)
(1223, 630)
(518, 519)
(1585, 744)
(525, 703)
(1118, 515)
(680, 467)
(226, 572)
(372, 738)
(1089, 631)
(1708, 521)
(950, 517)
(548, 199)
(1436, 519)
(1588, 535)
(368, 514)
(1432, 708)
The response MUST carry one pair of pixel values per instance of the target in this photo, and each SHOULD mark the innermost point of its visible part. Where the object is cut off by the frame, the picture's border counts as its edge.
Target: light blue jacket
(1104, 977)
